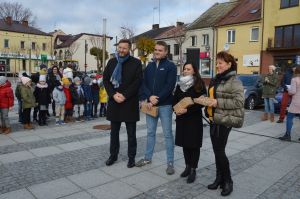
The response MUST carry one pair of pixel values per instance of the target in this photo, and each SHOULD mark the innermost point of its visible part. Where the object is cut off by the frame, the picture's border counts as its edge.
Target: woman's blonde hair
(272, 67)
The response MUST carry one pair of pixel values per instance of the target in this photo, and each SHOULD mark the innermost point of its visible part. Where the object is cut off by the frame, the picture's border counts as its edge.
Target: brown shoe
(272, 117)
(30, 126)
(264, 117)
(7, 130)
(26, 126)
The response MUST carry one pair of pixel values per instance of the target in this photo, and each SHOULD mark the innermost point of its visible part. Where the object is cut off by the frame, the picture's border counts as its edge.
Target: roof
(67, 40)
(245, 11)
(211, 16)
(153, 33)
(176, 31)
(17, 26)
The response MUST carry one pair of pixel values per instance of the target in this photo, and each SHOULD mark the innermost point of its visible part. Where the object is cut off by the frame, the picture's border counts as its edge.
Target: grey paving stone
(53, 189)
(19, 194)
(80, 195)
(45, 151)
(144, 181)
(90, 178)
(17, 156)
(72, 146)
(115, 190)
(24, 139)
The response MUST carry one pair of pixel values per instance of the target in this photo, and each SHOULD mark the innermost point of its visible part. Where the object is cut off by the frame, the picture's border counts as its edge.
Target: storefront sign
(25, 56)
(251, 60)
(12, 55)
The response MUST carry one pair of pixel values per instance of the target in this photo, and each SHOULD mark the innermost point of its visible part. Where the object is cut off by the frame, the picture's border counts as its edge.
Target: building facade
(281, 33)
(75, 49)
(240, 34)
(22, 47)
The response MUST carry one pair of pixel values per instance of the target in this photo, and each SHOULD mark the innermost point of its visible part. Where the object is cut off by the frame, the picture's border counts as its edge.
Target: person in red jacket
(6, 103)
(68, 104)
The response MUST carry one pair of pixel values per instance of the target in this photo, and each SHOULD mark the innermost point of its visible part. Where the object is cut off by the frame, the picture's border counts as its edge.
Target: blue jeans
(269, 105)
(165, 115)
(88, 110)
(289, 122)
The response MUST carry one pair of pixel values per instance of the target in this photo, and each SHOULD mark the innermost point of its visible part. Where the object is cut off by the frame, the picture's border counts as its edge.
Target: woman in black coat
(189, 126)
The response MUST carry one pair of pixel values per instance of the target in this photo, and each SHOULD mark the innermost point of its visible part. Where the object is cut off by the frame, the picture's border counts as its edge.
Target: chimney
(8, 20)
(155, 26)
(25, 23)
(178, 23)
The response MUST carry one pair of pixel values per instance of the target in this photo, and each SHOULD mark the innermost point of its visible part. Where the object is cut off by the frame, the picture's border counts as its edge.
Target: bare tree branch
(17, 11)
(128, 32)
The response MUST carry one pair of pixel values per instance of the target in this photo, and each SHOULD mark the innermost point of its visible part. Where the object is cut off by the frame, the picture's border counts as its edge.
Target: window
(254, 34)
(33, 46)
(176, 49)
(194, 40)
(289, 3)
(205, 67)
(287, 36)
(230, 36)
(44, 46)
(205, 40)
(22, 45)
(6, 43)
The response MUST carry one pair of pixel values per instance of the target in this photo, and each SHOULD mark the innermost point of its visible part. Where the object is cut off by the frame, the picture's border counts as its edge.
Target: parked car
(252, 90)
(278, 99)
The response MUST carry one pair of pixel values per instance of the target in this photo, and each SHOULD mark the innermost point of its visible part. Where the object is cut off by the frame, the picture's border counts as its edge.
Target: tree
(17, 11)
(71, 50)
(128, 32)
(146, 46)
(98, 53)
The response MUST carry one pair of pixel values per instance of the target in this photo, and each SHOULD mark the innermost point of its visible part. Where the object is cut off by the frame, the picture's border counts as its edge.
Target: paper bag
(184, 103)
(205, 101)
(153, 111)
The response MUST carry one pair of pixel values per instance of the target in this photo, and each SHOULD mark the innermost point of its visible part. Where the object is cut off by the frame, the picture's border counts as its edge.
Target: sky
(78, 16)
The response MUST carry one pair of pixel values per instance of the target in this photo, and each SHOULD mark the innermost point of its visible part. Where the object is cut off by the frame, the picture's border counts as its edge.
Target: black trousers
(42, 116)
(26, 115)
(53, 107)
(219, 136)
(103, 109)
(115, 140)
(35, 112)
(191, 156)
(94, 109)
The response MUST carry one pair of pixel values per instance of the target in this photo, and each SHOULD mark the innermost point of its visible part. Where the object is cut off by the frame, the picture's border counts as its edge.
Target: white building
(76, 49)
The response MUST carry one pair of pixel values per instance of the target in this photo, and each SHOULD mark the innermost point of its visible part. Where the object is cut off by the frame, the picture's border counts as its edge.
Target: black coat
(189, 126)
(42, 95)
(127, 111)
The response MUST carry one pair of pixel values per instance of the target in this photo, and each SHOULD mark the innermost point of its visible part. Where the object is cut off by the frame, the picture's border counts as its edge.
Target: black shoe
(227, 189)
(186, 171)
(192, 176)
(131, 163)
(280, 121)
(216, 183)
(286, 137)
(299, 139)
(111, 160)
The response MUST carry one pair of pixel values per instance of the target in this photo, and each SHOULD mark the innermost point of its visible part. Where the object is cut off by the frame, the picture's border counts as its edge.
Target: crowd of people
(126, 86)
(71, 99)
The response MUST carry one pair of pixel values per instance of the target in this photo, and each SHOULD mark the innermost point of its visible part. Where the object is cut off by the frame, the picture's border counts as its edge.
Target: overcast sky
(77, 16)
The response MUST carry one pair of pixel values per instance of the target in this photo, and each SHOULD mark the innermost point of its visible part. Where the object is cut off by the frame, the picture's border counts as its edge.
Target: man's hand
(181, 111)
(153, 99)
(214, 103)
(119, 98)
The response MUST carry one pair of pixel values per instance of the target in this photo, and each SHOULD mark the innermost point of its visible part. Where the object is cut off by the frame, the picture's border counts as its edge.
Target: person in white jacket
(60, 99)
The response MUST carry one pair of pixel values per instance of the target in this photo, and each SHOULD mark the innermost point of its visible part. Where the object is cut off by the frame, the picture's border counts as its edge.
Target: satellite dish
(226, 46)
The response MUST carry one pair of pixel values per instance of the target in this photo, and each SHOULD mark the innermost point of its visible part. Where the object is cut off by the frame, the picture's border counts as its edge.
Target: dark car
(278, 99)
(252, 90)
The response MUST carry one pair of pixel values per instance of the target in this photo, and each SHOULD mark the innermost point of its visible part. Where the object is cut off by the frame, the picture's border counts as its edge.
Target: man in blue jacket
(158, 85)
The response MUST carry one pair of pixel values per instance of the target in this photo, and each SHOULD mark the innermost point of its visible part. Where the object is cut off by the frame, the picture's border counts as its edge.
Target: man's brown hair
(126, 41)
(164, 44)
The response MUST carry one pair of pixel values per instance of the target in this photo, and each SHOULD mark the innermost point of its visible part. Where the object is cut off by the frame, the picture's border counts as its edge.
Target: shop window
(205, 68)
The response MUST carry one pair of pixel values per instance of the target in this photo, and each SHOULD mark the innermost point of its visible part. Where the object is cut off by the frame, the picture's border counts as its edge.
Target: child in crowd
(68, 104)
(95, 94)
(18, 95)
(28, 101)
(6, 103)
(60, 99)
(43, 99)
(103, 100)
(77, 98)
(88, 98)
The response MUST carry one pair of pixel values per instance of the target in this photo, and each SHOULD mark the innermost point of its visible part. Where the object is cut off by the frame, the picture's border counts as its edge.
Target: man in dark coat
(122, 79)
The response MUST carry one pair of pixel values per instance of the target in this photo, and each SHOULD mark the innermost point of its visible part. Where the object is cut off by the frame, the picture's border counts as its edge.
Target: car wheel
(250, 102)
